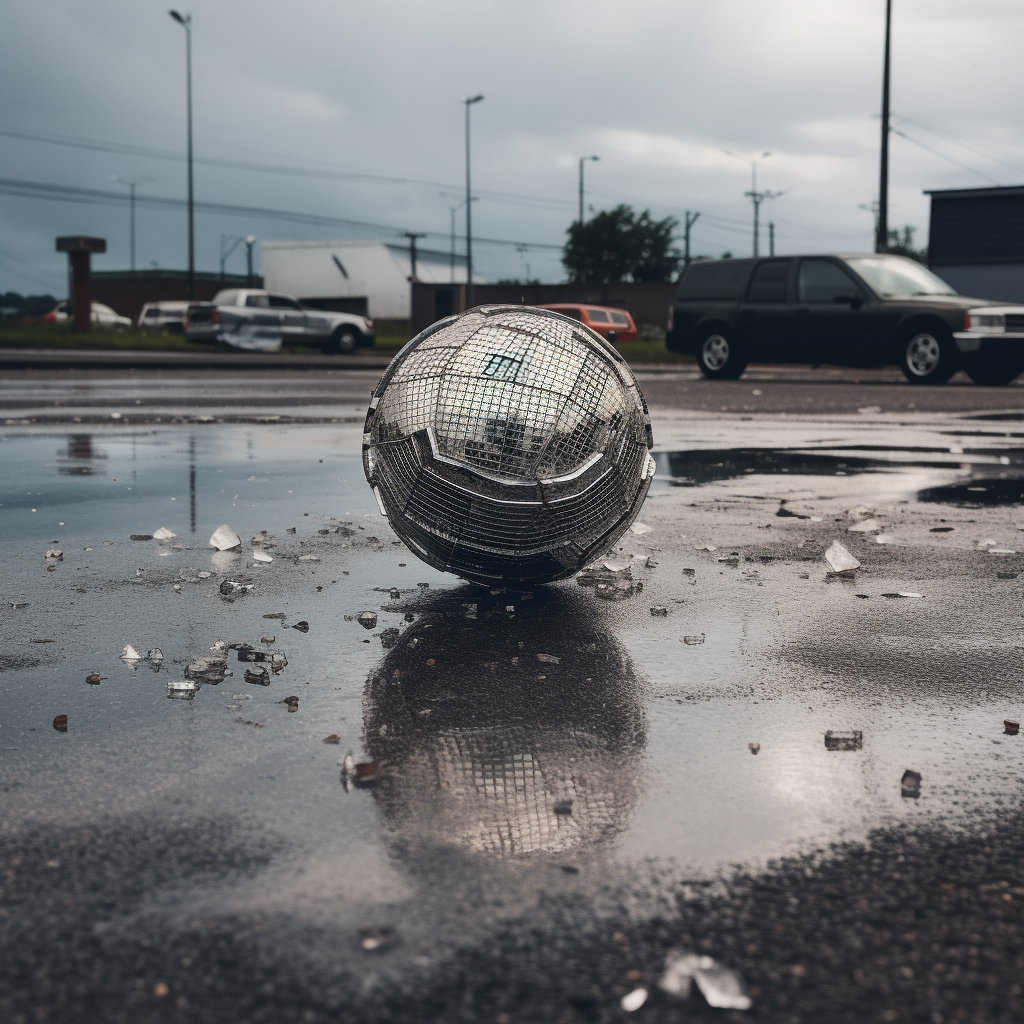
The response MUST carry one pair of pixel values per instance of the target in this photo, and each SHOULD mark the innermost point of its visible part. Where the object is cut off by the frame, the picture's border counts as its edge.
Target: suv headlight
(368, 322)
(987, 322)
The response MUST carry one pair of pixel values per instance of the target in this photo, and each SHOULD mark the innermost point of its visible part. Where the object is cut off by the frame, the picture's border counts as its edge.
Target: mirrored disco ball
(508, 445)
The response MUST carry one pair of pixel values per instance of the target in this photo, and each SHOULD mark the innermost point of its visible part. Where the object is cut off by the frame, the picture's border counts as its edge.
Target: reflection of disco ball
(477, 752)
(508, 444)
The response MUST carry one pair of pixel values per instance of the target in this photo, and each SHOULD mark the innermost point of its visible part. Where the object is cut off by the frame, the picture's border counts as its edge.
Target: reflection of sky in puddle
(476, 767)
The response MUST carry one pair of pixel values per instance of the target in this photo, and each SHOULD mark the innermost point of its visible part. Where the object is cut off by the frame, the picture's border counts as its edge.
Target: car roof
(581, 305)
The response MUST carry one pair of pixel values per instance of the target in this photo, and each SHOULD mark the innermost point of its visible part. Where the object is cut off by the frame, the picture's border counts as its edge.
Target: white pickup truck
(254, 319)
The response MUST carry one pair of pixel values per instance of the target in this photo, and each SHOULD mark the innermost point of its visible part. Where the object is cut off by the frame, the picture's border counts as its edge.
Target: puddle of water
(967, 477)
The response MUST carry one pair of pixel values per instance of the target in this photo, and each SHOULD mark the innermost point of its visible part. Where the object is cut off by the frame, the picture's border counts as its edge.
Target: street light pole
(131, 206)
(186, 23)
(468, 102)
(412, 236)
(882, 229)
(583, 159)
(250, 240)
(755, 197)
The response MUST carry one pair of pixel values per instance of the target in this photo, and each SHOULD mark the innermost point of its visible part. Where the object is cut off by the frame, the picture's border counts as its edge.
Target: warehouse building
(371, 278)
(976, 241)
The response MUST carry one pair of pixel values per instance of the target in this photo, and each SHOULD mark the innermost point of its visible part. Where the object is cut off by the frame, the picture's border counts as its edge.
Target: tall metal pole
(756, 197)
(882, 233)
(469, 101)
(453, 209)
(186, 23)
(583, 159)
(771, 238)
(131, 209)
(412, 236)
(689, 222)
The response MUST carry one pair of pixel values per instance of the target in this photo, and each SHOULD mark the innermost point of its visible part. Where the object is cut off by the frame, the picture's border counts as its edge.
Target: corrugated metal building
(367, 277)
(976, 241)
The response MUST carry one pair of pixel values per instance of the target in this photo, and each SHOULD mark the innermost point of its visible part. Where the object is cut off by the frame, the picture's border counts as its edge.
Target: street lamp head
(472, 99)
(185, 21)
(249, 239)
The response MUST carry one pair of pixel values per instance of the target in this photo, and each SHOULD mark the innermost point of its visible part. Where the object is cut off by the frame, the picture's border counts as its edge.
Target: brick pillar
(80, 249)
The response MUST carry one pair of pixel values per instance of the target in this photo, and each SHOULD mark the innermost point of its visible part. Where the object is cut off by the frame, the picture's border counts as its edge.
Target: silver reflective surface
(509, 444)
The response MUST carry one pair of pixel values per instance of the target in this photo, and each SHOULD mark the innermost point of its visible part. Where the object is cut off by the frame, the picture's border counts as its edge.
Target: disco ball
(508, 445)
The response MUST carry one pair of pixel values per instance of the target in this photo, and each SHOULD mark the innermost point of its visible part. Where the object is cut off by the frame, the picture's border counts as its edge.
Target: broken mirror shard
(852, 740)
(839, 559)
(163, 534)
(225, 539)
(632, 1001)
(1010, 727)
(508, 445)
(720, 986)
(183, 689)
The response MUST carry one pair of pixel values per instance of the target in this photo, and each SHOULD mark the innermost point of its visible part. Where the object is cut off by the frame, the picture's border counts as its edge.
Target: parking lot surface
(709, 756)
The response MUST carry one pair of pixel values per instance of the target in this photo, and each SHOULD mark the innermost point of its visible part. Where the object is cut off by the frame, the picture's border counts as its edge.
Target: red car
(611, 323)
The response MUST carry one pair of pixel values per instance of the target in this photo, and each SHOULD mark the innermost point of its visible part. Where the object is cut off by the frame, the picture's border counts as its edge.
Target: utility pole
(691, 219)
(412, 236)
(249, 242)
(186, 23)
(131, 206)
(583, 160)
(757, 198)
(771, 238)
(882, 230)
(468, 102)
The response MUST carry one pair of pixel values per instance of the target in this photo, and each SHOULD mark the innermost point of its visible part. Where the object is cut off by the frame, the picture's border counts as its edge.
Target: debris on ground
(94, 678)
(231, 587)
(182, 689)
(208, 668)
(377, 939)
(865, 526)
(839, 559)
(60, 723)
(852, 740)
(163, 534)
(903, 593)
(941, 529)
(910, 784)
(129, 654)
(549, 659)
(754, 747)
(259, 676)
(225, 539)
(333, 738)
(719, 986)
(367, 619)
(659, 610)
(640, 529)
(246, 721)
(302, 626)
(275, 615)
(389, 637)
(141, 536)
(154, 655)
(261, 556)
(309, 558)
(1010, 728)
(693, 640)
(55, 553)
(634, 1000)
(785, 513)
(562, 807)
(268, 639)
(263, 539)
(241, 696)
(1001, 551)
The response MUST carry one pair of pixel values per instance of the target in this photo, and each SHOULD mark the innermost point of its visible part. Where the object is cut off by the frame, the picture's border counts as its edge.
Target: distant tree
(619, 245)
(30, 305)
(903, 244)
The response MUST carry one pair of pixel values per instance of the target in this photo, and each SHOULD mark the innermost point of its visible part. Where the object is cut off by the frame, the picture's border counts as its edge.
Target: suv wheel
(344, 340)
(719, 357)
(928, 356)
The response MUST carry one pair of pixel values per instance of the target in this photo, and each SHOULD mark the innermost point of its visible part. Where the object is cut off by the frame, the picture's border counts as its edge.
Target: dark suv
(871, 310)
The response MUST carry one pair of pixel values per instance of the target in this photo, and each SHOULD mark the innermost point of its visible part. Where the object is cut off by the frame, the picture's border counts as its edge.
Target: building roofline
(966, 193)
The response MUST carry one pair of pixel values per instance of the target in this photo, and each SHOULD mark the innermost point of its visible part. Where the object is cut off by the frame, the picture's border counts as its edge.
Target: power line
(942, 156)
(99, 197)
(364, 177)
(959, 141)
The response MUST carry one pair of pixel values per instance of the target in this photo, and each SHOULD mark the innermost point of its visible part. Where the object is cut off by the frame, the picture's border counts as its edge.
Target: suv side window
(823, 281)
(770, 282)
(260, 301)
(721, 280)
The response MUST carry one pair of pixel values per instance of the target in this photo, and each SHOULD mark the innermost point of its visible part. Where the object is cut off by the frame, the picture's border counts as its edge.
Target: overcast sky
(657, 88)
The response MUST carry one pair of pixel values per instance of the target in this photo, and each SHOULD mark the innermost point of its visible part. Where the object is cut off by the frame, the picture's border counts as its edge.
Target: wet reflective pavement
(565, 787)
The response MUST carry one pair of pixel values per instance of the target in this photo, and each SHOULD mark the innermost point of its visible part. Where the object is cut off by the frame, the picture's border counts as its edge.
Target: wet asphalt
(566, 789)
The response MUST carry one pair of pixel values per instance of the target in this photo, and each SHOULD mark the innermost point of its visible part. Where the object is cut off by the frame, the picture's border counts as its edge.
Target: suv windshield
(896, 276)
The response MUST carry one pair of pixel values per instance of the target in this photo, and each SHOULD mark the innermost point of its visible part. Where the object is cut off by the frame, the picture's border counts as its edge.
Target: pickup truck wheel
(928, 356)
(719, 356)
(344, 340)
(993, 371)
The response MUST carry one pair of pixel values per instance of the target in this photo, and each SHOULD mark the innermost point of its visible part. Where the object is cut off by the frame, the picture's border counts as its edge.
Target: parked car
(252, 318)
(611, 323)
(101, 314)
(849, 310)
(166, 317)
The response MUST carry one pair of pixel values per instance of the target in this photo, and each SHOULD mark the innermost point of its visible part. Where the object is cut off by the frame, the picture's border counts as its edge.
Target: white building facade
(368, 277)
